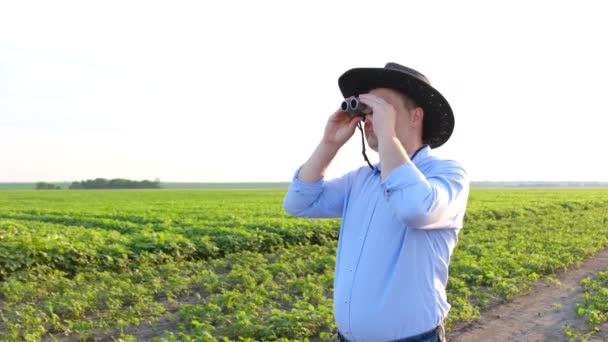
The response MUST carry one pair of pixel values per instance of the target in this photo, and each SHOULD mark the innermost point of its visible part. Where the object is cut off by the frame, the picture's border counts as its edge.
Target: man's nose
(368, 118)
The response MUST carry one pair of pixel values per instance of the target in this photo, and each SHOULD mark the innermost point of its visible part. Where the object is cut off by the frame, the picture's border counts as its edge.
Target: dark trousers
(434, 335)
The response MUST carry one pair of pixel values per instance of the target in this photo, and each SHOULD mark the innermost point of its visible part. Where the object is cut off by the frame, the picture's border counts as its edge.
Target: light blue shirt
(395, 242)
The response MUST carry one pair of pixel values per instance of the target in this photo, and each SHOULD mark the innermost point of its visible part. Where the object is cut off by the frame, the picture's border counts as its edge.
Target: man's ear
(417, 115)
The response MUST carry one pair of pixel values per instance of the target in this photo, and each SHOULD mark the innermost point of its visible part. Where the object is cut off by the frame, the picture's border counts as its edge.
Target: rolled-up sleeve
(321, 199)
(436, 200)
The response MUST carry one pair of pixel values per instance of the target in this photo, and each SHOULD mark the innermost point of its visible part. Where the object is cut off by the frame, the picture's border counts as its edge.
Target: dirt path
(535, 316)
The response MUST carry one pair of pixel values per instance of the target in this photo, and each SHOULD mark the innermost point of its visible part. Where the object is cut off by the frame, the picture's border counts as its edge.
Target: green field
(212, 265)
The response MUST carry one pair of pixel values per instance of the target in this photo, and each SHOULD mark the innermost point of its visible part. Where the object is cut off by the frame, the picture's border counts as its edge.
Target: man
(400, 219)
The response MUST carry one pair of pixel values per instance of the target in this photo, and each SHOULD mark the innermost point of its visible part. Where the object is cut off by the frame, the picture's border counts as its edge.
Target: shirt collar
(424, 151)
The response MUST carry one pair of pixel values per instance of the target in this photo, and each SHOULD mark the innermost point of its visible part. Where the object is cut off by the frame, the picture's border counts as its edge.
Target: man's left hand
(384, 115)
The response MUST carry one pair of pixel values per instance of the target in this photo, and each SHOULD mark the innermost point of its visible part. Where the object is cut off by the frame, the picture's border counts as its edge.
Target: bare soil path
(539, 315)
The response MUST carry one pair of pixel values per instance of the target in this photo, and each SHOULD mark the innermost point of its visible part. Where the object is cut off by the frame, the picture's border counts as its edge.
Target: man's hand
(391, 151)
(340, 127)
(384, 115)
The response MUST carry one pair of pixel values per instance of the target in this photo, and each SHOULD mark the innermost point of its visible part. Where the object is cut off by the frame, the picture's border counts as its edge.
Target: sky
(240, 91)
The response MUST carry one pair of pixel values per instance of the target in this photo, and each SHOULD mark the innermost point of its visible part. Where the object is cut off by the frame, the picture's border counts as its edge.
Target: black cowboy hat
(438, 122)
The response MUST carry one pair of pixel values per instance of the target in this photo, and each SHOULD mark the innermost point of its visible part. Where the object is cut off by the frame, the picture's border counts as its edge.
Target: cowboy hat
(438, 122)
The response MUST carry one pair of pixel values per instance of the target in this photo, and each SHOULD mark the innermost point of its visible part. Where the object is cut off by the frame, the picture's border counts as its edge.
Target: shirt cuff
(306, 188)
(402, 176)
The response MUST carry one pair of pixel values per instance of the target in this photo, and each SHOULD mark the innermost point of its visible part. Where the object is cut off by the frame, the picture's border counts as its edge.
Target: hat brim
(438, 122)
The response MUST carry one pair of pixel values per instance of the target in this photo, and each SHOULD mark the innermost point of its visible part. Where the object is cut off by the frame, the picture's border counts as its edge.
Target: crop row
(259, 296)
(592, 306)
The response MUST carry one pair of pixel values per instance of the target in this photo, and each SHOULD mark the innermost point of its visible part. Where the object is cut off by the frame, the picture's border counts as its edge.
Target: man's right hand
(340, 127)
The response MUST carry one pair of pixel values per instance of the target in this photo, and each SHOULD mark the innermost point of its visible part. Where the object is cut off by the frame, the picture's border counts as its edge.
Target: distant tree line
(116, 183)
(47, 186)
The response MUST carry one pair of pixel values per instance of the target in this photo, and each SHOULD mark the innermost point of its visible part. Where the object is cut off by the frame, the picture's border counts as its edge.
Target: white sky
(241, 90)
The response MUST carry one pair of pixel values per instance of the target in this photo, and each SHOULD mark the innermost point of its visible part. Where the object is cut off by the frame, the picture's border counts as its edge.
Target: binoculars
(355, 107)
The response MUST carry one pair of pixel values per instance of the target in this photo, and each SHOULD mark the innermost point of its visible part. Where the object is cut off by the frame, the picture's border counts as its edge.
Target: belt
(416, 338)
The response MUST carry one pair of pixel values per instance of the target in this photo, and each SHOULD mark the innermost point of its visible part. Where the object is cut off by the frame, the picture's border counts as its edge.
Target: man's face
(403, 116)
